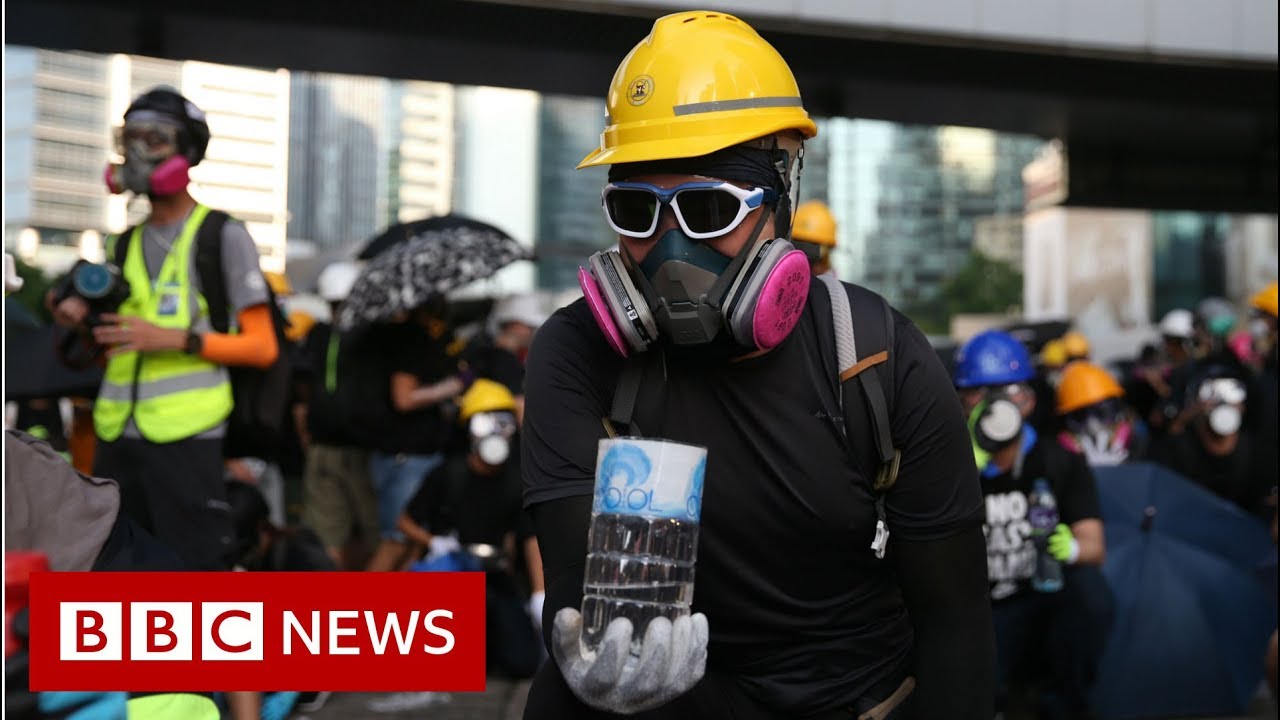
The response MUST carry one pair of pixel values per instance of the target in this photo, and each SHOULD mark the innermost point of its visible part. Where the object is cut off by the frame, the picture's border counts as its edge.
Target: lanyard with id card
(169, 298)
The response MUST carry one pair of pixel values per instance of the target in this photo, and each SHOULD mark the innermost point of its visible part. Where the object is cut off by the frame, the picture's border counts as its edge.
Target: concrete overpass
(1161, 103)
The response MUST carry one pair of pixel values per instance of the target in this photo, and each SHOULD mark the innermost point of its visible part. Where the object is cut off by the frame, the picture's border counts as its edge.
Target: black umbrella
(431, 262)
(33, 370)
(397, 234)
(17, 317)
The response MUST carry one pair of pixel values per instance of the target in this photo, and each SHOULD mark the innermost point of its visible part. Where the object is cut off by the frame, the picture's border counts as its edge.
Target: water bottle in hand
(1042, 513)
(644, 535)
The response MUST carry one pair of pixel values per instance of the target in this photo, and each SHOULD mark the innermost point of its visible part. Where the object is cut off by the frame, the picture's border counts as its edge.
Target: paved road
(504, 700)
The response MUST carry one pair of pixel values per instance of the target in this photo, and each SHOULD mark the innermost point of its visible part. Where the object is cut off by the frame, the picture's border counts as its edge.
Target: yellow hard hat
(485, 396)
(278, 283)
(300, 323)
(700, 82)
(1265, 300)
(1076, 345)
(1084, 384)
(814, 223)
(1053, 354)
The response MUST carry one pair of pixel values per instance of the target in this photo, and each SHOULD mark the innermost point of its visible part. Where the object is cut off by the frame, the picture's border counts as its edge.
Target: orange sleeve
(254, 346)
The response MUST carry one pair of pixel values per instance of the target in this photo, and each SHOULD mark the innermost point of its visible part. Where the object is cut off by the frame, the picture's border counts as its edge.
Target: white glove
(1095, 453)
(442, 545)
(535, 609)
(673, 658)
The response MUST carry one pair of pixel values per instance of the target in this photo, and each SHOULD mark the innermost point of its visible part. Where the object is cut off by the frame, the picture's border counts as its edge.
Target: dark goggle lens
(709, 210)
(149, 137)
(631, 210)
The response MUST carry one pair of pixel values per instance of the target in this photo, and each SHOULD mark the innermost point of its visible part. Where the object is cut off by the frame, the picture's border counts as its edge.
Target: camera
(101, 285)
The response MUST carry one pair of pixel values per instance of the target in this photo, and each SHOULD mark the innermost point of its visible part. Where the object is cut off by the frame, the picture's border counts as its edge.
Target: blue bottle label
(650, 478)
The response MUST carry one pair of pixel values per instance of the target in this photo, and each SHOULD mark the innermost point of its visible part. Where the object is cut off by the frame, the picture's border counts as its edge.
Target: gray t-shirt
(242, 276)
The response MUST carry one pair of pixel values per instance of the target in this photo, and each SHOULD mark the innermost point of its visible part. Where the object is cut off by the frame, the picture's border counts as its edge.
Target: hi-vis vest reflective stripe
(170, 394)
(172, 706)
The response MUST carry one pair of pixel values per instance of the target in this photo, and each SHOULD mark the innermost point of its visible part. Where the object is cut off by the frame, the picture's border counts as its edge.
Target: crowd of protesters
(399, 445)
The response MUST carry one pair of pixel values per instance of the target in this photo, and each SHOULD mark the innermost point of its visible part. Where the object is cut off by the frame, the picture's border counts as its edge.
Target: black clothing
(481, 509)
(1241, 476)
(321, 355)
(409, 349)
(296, 550)
(801, 622)
(1011, 554)
(174, 491)
(1055, 640)
(489, 361)
(289, 455)
(44, 423)
(1044, 418)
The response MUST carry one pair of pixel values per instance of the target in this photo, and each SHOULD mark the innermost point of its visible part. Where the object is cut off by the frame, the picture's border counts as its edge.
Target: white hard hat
(336, 280)
(524, 309)
(12, 280)
(1178, 323)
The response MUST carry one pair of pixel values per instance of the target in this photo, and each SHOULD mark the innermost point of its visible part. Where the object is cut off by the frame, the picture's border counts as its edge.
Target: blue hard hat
(993, 357)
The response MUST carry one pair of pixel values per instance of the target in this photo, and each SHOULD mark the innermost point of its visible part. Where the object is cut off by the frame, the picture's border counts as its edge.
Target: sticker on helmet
(639, 90)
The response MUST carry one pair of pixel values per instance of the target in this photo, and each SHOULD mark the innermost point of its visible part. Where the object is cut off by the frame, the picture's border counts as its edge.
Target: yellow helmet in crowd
(485, 396)
(300, 323)
(1084, 384)
(814, 223)
(278, 283)
(1053, 354)
(1076, 345)
(1265, 300)
(699, 82)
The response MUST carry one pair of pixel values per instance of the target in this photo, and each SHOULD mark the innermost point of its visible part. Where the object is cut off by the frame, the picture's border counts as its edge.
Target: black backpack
(261, 396)
(863, 381)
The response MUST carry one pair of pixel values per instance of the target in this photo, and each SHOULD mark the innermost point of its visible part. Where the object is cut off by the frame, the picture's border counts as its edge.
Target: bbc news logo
(257, 631)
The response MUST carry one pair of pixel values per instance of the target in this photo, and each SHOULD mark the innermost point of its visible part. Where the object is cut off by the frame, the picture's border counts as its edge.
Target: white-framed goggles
(704, 209)
(484, 424)
(1225, 390)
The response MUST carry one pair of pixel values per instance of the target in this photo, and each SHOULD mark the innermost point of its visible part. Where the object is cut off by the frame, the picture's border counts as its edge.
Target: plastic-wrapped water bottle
(644, 535)
(1042, 514)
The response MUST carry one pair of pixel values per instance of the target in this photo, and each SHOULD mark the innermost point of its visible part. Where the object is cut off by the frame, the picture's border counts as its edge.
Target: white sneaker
(397, 702)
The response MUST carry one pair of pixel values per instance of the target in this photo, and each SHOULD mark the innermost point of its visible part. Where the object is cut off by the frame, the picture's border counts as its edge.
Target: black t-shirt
(409, 349)
(494, 363)
(326, 421)
(799, 607)
(1242, 476)
(480, 508)
(1011, 553)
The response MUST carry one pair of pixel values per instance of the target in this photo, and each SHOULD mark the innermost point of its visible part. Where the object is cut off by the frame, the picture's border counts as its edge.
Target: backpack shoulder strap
(120, 248)
(629, 404)
(860, 315)
(209, 268)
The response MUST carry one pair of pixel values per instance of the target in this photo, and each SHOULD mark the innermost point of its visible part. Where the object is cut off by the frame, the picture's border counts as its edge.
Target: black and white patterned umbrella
(406, 274)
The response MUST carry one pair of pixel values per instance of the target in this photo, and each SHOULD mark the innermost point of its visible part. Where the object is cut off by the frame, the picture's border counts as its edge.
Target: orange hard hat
(1084, 384)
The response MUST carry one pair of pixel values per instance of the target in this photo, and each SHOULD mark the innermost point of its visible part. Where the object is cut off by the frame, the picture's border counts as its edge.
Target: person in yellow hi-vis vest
(162, 410)
(166, 395)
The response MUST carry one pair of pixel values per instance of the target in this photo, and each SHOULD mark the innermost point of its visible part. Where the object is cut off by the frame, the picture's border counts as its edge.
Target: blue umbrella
(1193, 614)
